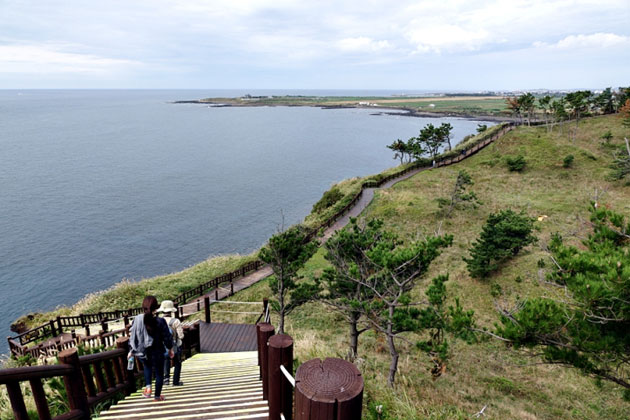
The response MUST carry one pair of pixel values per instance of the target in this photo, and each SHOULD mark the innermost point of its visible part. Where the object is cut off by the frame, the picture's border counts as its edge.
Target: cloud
(52, 59)
(362, 44)
(597, 40)
(449, 38)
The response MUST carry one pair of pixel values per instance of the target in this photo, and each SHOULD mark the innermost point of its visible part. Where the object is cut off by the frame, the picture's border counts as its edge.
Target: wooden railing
(331, 389)
(55, 327)
(217, 281)
(88, 380)
(207, 305)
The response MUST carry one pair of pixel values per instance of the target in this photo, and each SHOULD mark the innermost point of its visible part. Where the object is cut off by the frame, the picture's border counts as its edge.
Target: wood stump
(328, 390)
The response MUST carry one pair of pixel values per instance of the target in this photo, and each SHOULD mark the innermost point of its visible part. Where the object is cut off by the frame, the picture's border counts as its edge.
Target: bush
(515, 164)
(568, 161)
(502, 237)
(607, 136)
(329, 198)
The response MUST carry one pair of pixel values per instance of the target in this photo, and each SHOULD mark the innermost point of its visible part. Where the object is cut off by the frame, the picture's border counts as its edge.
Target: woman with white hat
(167, 308)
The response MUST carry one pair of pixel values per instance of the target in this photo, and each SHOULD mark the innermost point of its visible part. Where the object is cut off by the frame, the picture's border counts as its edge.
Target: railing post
(40, 399)
(126, 320)
(231, 288)
(87, 330)
(75, 387)
(216, 293)
(280, 390)
(60, 329)
(104, 325)
(17, 400)
(264, 331)
(206, 304)
(198, 305)
(332, 389)
(130, 379)
(53, 330)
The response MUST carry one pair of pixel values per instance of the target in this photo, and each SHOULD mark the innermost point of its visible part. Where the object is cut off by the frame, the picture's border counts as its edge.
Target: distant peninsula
(486, 106)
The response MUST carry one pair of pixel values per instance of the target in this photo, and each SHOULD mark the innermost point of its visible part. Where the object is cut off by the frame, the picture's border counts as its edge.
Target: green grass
(129, 294)
(511, 383)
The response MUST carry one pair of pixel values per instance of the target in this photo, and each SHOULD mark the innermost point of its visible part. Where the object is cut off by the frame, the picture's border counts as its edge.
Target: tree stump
(328, 390)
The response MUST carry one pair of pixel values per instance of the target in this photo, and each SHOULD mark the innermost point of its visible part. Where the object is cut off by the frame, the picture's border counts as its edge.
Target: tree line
(429, 141)
(571, 106)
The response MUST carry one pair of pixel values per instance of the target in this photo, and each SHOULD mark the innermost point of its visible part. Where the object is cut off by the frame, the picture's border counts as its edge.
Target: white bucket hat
(167, 306)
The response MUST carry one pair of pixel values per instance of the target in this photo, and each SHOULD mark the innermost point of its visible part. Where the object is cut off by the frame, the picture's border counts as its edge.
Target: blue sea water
(101, 185)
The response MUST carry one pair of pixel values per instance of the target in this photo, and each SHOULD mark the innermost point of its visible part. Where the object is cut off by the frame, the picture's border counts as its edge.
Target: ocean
(97, 186)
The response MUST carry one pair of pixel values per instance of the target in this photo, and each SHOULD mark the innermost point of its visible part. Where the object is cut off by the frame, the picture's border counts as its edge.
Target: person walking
(167, 308)
(150, 339)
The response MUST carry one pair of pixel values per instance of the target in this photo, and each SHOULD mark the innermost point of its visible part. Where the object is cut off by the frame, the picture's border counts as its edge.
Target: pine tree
(287, 252)
(502, 237)
(587, 328)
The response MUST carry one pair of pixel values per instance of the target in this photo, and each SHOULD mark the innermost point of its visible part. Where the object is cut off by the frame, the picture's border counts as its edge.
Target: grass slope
(129, 294)
(512, 384)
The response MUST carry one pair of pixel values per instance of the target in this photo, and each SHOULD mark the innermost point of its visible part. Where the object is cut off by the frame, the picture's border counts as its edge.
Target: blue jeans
(153, 363)
(177, 364)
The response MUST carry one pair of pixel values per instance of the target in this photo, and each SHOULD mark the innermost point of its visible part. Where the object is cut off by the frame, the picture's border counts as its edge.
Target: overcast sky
(367, 44)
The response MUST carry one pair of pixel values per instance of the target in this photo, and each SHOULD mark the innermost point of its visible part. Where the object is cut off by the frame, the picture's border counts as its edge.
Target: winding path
(266, 271)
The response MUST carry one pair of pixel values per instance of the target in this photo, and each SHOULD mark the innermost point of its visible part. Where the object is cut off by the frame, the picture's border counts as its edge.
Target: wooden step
(217, 386)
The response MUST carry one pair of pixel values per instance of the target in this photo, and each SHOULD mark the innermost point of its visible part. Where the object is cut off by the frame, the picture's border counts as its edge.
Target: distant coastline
(468, 107)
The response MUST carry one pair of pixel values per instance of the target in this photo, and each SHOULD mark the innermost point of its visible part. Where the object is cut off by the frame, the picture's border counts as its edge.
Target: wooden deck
(224, 338)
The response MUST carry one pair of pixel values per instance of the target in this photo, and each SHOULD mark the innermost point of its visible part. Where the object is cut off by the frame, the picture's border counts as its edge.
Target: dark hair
(150, 305)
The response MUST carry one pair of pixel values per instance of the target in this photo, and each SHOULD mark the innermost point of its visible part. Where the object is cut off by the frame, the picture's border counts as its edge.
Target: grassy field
(477, 105)
(513, 385)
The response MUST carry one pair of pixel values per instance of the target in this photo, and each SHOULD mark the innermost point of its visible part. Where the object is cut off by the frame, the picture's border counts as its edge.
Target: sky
(465, 45)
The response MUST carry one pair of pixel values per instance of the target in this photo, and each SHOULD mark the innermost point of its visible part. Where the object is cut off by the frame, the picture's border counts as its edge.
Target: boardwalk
(223, 292)
(216, 386)
(221, 338)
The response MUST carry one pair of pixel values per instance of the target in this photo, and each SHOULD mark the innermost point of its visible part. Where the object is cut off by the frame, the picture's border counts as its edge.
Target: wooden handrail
(78, 372)
(33, 372)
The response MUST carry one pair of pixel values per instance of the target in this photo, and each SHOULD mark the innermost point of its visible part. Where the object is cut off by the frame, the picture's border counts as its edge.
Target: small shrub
(496, 290)
(607, 136)
(329, 198)
(568, 161)
(588, 155)
(515, 163)
(518, 279)
(502, 237)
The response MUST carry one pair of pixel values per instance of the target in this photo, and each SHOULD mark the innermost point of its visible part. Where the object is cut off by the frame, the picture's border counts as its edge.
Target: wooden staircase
(216, 386)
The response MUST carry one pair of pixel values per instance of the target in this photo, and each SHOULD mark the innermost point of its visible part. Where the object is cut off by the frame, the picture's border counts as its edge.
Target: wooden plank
(223, 338)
